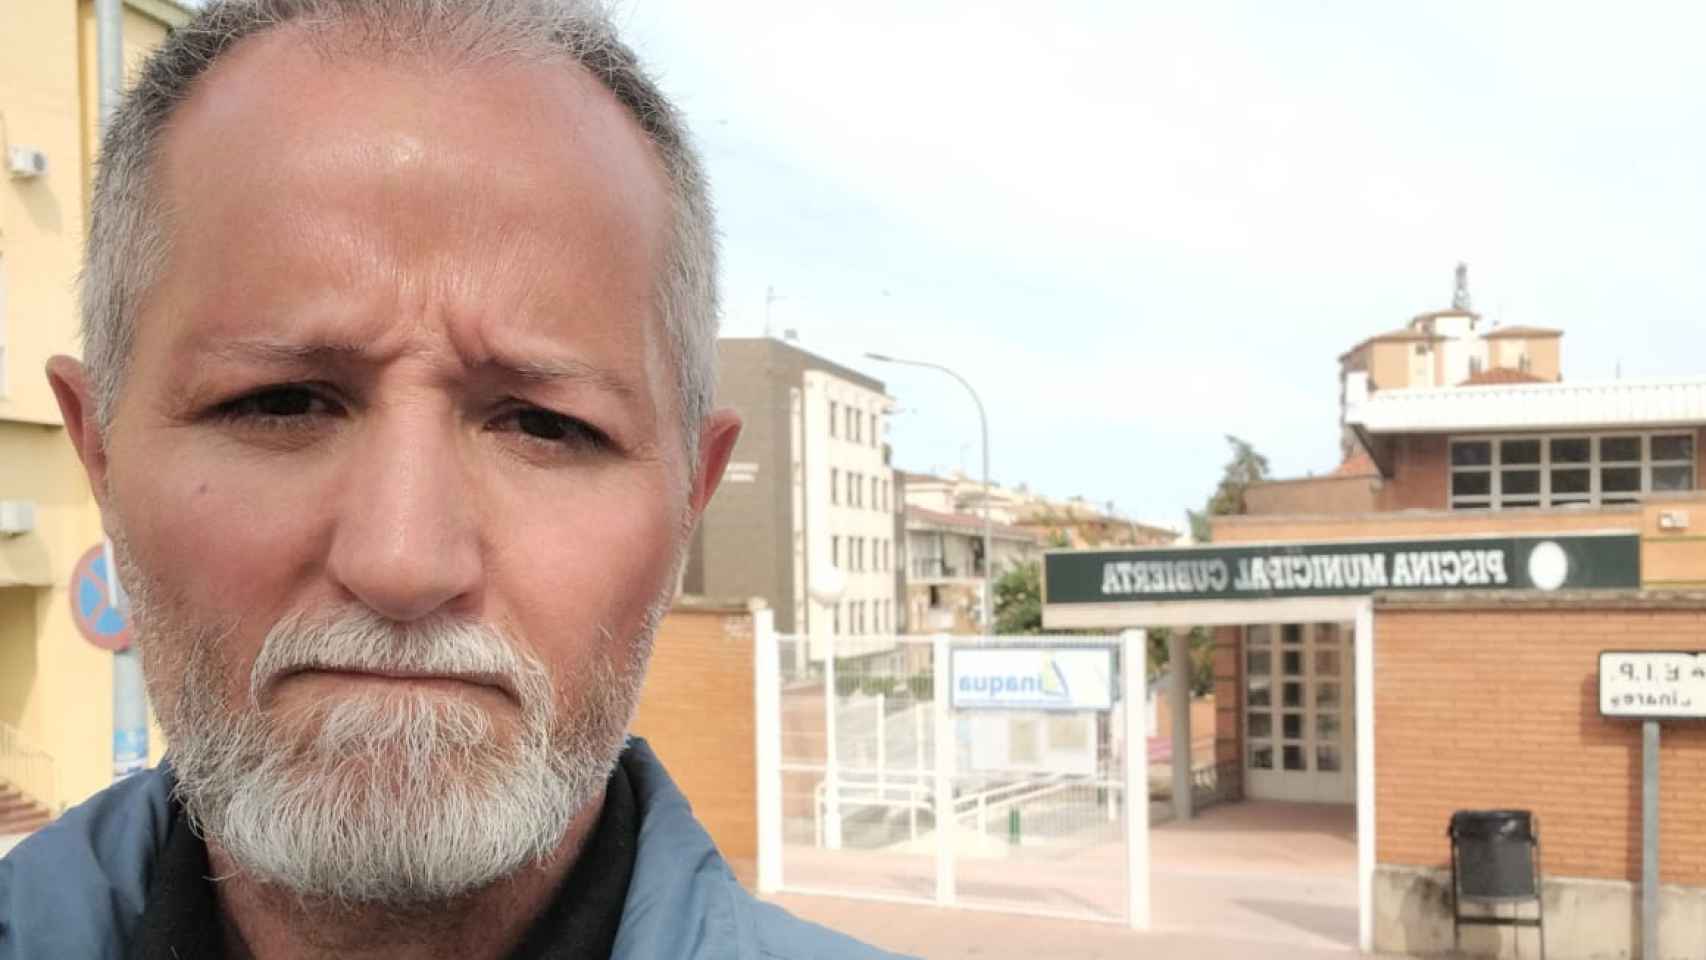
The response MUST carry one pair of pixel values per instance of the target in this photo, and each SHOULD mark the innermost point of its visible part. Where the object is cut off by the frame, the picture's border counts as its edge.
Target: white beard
(399, 799)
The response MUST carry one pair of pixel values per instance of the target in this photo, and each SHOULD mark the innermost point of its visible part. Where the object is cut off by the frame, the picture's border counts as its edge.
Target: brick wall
(1314, 495)
(1421, 475)
(1229, 702)
(697, 713)
(1493, 703)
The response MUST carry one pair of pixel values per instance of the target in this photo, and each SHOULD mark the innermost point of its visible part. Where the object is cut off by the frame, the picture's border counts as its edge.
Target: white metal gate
(1025, 810)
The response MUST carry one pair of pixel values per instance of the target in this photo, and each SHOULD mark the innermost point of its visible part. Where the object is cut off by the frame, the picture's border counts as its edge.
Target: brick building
(1419, 632)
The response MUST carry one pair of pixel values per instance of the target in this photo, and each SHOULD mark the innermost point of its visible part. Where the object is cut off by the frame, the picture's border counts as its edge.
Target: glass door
(1297, 708)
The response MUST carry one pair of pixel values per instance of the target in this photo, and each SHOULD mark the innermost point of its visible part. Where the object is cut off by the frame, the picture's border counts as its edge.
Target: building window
(835, 626)
(873, 493)
(1560, 471)
(835, 551)
(834, 485)
(873, 430)
(832, 412)
(852, 424)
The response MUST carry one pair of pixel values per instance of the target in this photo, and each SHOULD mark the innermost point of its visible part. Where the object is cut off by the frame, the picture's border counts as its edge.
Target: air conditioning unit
(17, 517)
(25, 163)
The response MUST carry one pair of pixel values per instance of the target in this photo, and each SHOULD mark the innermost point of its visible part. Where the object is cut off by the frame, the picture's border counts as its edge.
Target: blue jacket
(76, 889)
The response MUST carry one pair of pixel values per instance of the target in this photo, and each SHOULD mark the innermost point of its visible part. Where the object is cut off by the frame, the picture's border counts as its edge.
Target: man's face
(404, 359)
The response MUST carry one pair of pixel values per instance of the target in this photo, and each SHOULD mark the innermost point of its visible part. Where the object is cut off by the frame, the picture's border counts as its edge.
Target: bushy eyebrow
(542, 370)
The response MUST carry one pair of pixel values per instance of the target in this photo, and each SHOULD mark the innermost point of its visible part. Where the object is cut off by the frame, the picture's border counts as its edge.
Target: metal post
(767, 701)
(945, 750)
(988, 525)
(109, 56)
(831, 754)
(1179, 699)
(130, 697)
(1134, 666)
(1649, 840)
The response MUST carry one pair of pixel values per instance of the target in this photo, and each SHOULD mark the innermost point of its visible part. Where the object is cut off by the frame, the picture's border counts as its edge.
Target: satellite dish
(828, 584)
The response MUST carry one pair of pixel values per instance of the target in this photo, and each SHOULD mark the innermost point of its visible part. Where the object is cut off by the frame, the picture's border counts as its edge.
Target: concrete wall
(1585, 919)
(697, 712)
(1422, 524)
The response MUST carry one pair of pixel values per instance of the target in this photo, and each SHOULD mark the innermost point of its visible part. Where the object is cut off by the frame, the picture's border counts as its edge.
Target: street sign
(92, 609)
(1033, 678)
(1341, 568)
(1652, 684)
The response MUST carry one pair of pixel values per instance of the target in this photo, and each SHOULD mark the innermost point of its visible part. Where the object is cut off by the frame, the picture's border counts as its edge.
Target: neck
(263, 922)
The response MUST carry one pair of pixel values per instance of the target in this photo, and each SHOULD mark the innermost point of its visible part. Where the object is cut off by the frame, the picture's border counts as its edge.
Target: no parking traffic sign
(97, 619)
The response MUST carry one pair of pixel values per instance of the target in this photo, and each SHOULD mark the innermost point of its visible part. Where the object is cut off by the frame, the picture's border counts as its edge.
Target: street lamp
(988, 537)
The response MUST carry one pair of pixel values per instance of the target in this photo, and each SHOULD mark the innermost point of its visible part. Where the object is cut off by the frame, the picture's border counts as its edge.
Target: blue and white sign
(1033, 678)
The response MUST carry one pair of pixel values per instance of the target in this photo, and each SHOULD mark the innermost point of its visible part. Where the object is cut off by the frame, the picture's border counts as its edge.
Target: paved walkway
(940, 934)
(1245, 880)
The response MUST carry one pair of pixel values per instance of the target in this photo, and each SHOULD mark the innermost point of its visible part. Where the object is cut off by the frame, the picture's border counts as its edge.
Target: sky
(1138, 227)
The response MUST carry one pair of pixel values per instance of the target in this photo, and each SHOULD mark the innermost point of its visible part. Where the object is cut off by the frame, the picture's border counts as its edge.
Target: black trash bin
(1495, 860)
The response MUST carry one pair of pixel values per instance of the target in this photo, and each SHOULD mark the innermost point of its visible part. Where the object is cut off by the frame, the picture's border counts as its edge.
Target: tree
(1019, 600)
(1202, 657)
(1245, 468)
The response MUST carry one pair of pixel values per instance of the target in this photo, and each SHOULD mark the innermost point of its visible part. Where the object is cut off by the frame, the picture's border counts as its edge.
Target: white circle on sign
(1548, 566)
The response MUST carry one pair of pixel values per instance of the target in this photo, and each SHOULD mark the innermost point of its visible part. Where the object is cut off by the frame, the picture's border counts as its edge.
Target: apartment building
(809, 515)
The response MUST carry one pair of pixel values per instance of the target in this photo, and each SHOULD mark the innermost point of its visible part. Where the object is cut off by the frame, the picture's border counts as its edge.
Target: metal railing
(28, 768)
(907, 790)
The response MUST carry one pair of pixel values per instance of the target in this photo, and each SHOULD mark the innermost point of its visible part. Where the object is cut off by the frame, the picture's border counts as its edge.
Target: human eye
(536, 425)
(285, 405)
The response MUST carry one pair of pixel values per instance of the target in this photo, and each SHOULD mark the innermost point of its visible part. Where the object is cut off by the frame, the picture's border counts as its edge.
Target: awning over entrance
(1296, 582)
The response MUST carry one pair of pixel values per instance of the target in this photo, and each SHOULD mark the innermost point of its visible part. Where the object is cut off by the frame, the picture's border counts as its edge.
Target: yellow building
(55, 688)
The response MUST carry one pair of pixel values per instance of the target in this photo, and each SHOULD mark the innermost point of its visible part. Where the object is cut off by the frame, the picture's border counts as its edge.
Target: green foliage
(1019, 600)
(1202, 657)
(1245, 468)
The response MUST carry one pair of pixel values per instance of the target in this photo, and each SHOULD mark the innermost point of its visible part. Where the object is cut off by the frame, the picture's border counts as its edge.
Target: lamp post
(988, 536)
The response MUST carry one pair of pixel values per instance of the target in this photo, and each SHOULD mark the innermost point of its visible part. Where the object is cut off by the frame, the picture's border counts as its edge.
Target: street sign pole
(1650, 840)
(1651, 686)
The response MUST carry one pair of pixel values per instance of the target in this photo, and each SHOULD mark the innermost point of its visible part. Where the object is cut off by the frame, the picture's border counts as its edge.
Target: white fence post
(945, 749)
(767, 696)
(831, 754)
(1134, 669)
(882, 748)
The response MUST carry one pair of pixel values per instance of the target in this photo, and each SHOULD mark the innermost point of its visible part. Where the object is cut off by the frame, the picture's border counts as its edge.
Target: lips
(392, 675)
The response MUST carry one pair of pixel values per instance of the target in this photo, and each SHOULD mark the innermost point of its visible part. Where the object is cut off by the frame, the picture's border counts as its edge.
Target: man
(399, 324)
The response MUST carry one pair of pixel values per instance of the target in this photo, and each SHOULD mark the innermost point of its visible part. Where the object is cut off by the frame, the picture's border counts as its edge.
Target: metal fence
(873, 784)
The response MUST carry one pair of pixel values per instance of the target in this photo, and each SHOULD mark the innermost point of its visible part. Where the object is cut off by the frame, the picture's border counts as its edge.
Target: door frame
(1358, 610)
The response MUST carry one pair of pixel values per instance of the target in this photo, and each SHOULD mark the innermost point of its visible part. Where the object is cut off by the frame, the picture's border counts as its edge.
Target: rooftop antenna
(770, 299)
(1460, 296)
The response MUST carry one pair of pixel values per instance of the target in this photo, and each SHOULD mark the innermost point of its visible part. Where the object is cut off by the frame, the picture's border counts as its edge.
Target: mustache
(360, 641)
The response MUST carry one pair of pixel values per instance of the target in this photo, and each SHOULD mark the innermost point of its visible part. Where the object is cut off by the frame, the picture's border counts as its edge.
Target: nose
(407, 542)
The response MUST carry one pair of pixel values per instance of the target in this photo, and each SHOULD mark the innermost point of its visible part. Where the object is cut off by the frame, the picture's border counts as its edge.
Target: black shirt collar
(181, 918)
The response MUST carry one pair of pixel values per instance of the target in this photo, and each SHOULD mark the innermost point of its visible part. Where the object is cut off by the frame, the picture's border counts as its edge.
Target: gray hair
(127, 235)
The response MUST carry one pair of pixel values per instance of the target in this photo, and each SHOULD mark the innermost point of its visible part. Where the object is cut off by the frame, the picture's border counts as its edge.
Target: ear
(717, 436)
(70, 382)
